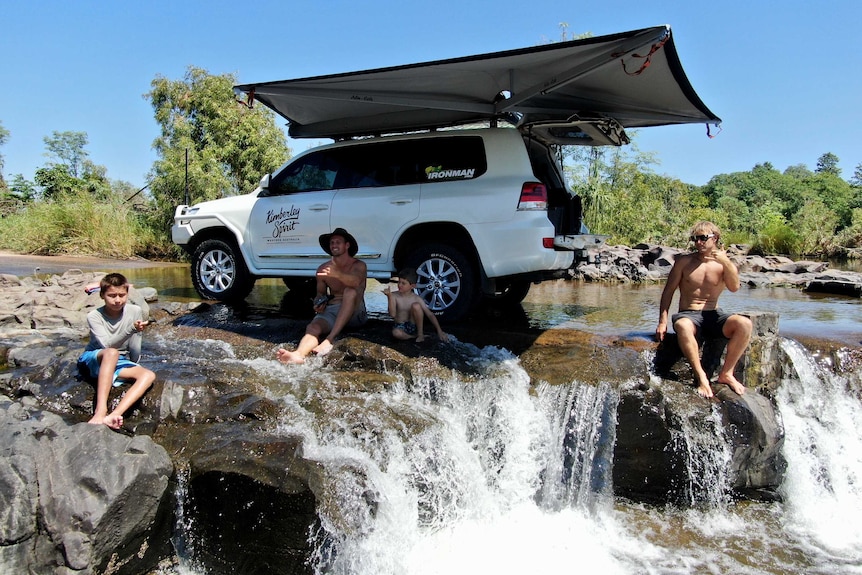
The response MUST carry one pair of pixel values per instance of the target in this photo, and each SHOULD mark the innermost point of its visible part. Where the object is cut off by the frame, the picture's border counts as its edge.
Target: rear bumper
(579, 241)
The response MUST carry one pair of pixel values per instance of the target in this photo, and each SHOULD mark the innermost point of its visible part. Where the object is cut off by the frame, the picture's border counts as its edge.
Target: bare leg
(107, 365)
(144, 379)
(348, 306)
(399, 333)
(737, 330)
(686, 337)
(418, 317)
(307, 344)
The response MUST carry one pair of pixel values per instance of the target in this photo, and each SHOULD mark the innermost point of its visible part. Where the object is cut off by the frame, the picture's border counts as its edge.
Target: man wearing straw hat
(340, 300)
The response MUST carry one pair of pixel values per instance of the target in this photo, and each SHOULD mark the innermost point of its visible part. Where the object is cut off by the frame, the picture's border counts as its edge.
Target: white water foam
(823, 447)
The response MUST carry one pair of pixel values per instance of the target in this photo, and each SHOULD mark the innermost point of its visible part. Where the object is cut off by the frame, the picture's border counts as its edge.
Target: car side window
(454, 158)
(378, 165)
(313, 172)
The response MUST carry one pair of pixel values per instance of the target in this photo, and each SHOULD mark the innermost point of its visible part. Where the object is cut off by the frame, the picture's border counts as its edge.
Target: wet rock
(79, 498)
(756, 438)
(218, 410)
(656, 420)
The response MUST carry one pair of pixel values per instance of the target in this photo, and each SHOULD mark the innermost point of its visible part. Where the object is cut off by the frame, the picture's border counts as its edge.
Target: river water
(471, 494)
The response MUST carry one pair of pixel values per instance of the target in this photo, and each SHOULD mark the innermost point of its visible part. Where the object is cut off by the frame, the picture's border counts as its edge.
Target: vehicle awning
(578, 92)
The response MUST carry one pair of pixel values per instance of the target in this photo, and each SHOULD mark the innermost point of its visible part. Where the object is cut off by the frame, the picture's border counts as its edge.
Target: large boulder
(79, 498)
(666, 432)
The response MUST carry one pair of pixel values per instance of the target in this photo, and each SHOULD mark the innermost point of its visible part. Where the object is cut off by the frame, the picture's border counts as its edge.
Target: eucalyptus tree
(68, 150)
(210, 145)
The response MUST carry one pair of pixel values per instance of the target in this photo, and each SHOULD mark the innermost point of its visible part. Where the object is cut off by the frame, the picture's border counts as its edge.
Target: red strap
(708, 135)
(647, 59)
(249, 102)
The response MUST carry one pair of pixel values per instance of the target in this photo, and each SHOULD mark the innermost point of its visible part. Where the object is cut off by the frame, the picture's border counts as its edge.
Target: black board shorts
(707, 323)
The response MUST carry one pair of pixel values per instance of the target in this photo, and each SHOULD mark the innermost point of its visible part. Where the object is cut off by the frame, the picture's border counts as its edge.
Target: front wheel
(446, 280)
(219, 273)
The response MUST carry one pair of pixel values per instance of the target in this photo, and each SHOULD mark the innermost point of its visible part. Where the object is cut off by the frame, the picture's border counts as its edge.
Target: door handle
(318, 207)
(401, 201)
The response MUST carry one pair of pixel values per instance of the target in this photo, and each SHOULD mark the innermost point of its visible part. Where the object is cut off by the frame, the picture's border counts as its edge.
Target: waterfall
(492, 476)
(455, 473)
(583, 426)
(823, 445)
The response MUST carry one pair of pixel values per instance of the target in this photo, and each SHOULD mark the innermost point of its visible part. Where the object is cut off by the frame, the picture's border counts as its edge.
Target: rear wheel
(446, 280)
(219, 273)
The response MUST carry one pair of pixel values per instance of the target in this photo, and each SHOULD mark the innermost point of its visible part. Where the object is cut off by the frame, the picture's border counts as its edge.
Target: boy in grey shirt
(113, 351)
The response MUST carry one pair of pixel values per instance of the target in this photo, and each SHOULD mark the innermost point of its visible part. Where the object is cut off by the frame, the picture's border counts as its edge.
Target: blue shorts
(407, 327)
(90, 361)
(707, 323)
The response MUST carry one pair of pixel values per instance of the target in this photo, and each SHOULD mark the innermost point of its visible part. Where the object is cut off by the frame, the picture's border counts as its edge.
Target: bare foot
(285, 356)
(420, 339)
(112, 421)
(704, 389)
(323, 347)
(732, 382)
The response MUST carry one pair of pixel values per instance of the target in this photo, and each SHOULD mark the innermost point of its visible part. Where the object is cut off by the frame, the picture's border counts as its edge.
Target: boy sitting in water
(409, 310)
(114, 348)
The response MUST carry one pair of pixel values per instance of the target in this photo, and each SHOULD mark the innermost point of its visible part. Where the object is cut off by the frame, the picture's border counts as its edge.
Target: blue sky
(783, 76)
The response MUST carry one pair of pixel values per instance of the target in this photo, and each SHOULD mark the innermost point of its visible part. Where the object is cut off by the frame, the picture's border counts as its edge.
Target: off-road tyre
(447, 280)
(219, 272)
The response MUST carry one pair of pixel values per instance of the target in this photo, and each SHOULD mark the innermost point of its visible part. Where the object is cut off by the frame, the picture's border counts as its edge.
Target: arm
(392, 303)
(321, 292)
(673, 281)
(731, 274)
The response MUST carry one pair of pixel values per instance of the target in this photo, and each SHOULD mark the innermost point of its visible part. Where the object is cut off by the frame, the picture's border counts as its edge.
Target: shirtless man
(345, 277)
(701, 278)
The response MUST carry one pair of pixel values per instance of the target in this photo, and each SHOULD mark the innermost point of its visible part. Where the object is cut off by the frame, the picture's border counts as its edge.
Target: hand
(387, 291)
(660, 331)
(327, 272)
(319, 304)
(141, 324)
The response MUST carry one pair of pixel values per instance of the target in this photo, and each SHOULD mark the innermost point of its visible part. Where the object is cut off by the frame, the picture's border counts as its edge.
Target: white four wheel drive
(481, 211)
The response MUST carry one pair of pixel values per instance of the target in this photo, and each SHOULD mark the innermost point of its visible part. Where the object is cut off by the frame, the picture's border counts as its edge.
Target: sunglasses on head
(701, 238)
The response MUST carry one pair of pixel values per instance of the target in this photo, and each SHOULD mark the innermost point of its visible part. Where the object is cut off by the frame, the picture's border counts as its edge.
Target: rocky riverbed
(78, 498)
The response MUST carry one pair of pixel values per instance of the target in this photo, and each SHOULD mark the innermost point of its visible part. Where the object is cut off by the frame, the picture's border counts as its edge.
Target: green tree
(815, 225)
(856, 180)
(229, 145)
(835, 193)
(68, 149)
(4, 137)
(828, 164)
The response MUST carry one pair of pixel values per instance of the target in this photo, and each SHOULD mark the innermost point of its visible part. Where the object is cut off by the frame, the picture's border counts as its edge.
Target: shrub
(776, 238)
(76, 223)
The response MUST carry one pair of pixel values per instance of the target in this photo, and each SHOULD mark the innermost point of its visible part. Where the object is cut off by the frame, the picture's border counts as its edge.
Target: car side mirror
(264, 185)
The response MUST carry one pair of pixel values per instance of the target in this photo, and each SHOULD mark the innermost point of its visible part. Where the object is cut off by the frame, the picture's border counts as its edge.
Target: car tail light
(548, 243)
(534, 196)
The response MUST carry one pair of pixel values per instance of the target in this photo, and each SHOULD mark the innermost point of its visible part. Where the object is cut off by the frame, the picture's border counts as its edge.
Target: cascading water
(486, 474)
(823, 446)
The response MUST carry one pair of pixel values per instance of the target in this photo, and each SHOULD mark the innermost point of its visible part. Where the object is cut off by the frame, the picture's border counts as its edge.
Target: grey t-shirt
(118, 333)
